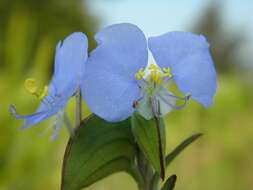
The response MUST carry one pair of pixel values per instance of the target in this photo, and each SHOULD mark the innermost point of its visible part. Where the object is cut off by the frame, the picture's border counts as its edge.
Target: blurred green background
(29, 31)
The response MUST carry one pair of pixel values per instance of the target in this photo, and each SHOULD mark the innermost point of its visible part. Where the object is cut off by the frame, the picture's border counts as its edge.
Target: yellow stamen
(32, 88)
(166, 72)
(156, 77)
(156, 74)
(140, 74)
(43, 93)
(153, 67)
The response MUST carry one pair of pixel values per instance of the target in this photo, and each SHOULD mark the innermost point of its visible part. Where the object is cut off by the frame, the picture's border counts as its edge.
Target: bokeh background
(29, 31)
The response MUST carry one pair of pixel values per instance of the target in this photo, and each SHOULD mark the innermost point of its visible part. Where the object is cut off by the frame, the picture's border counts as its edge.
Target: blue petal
(44, 111)
(190, 61)
(108, 86)
(69, 63)
(69, 67)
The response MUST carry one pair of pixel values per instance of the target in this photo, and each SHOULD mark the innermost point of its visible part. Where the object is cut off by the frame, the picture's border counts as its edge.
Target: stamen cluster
(154, 74)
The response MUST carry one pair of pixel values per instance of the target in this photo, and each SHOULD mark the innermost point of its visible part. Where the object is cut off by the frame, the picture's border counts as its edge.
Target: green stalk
(146, 171)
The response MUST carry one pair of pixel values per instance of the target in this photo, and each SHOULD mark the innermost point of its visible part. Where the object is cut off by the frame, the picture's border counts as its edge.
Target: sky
(156, 17)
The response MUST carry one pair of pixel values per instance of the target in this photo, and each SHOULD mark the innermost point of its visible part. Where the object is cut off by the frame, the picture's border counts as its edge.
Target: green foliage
(29, 32)
(170, 183)
(38, 23)
(97, 150)
(149, 135)
(171, 156)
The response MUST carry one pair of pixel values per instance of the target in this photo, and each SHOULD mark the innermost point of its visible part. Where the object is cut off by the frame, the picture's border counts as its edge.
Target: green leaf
(170, 183)
(97, 150)
(150, 136)
(170, 157)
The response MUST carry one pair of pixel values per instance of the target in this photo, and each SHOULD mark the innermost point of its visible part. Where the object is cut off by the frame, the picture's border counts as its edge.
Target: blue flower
(70, 58)
(115, 77)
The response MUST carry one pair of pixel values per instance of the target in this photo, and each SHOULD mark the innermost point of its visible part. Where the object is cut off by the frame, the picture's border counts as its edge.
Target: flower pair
(116, 79)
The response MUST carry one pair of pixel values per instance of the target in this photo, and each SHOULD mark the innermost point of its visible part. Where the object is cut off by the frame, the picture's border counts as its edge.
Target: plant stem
(78, 112)
(137, 176)
(156, 113)
(146, 171)
(155, 182)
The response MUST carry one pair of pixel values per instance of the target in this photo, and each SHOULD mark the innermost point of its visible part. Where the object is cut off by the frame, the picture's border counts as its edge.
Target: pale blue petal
(69, 63)
(190, 61)
(144, 108)
(108, 86)
(44, 111)
(31, 119)
(68, 70)
(166, 100)
(58, 122)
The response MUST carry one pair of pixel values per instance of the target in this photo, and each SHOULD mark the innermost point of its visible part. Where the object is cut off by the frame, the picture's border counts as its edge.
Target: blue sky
(156, 17)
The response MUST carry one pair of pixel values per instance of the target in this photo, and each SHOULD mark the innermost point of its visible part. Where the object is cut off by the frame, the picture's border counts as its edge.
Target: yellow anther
(156, 77)
(155, 74)
(153, 67)
(140, 74)
(166, 72)
(31, 87)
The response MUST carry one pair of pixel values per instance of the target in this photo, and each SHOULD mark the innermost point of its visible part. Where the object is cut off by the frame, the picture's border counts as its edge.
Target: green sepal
(150, 137)
(97, 150)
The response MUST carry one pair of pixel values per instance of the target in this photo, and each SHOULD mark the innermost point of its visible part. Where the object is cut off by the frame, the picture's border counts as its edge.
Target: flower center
(153, 74)
(156, 99)
(32, 88)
